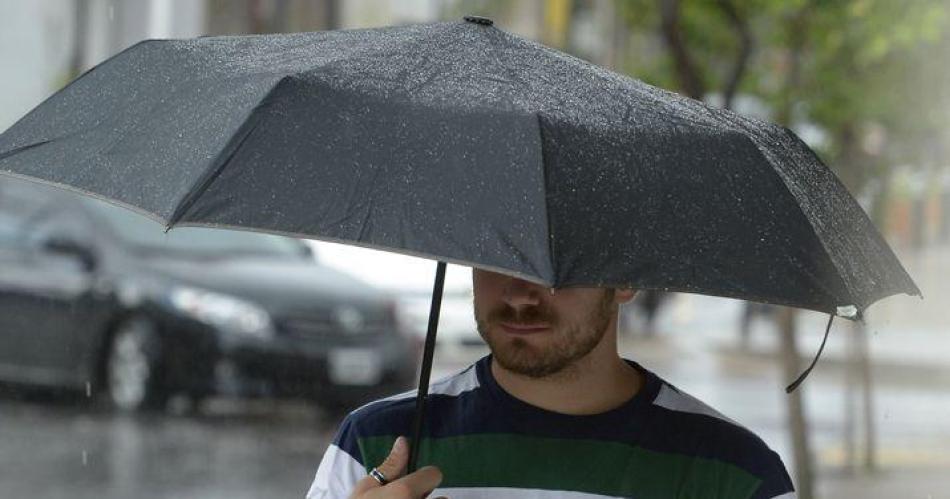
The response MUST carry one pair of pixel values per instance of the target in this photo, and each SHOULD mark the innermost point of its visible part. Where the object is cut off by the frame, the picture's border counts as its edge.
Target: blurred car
(457, 328)
(410, 280)
(97, 298)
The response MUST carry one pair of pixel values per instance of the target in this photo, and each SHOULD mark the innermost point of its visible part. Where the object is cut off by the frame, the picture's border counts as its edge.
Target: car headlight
(223, 311)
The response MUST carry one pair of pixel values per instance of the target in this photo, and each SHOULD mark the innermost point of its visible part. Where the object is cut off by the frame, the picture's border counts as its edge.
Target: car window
(21, 203)
(57, 222)
(9, 230)
(143, 232)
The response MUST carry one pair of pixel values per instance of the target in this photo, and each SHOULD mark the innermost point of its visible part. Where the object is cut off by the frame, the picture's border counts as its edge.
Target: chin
(518, 356)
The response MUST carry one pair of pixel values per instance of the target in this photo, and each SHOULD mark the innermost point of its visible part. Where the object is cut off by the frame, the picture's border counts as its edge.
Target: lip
(516, 328)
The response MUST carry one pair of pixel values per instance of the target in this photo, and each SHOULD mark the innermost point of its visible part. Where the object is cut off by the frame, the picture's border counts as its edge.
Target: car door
(17, 207)
(47, 295)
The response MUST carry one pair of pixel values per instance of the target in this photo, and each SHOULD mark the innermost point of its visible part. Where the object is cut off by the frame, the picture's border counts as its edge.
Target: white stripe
(336, 476)
(787, 495)
(458, 384)
(452, 385)
(684, 402)
(511, 493)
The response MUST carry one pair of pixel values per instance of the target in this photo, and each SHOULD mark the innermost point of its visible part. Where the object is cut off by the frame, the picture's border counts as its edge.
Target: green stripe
(591, 466)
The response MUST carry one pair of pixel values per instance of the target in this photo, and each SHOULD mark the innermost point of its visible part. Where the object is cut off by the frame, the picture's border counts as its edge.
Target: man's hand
(413, 486)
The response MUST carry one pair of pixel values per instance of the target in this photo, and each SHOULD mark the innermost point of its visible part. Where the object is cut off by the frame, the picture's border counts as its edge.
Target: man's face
(534, 333)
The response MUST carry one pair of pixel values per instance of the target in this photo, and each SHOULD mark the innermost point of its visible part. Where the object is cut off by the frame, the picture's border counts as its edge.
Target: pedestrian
(552, 411)
(751, 310)
(649, 303)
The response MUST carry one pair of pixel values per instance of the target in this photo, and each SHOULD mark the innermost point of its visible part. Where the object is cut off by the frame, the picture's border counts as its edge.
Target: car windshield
(146, 234)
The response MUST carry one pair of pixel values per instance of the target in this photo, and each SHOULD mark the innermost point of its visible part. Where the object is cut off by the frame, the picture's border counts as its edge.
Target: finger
(397, 461)
(392, 467)
(420, 483)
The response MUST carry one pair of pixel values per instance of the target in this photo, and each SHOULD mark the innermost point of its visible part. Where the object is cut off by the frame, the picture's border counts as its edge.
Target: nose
(519, 293)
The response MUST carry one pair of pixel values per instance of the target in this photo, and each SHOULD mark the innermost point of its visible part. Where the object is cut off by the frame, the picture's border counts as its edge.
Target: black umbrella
(462, 143)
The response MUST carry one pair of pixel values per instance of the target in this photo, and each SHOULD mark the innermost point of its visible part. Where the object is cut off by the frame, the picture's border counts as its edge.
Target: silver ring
(379, 476)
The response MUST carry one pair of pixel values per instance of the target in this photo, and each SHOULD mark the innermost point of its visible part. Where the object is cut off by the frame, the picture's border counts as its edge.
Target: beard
(566, 342)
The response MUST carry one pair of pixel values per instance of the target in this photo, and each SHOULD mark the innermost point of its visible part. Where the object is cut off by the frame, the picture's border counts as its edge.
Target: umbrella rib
(545, 176)
(845, 286)
(202, 185)
(888, 253)
(227, 154)
(17, 150)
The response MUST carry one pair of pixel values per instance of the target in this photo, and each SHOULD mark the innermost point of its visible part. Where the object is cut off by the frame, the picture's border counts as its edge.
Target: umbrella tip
(847, 311)
(484, 21)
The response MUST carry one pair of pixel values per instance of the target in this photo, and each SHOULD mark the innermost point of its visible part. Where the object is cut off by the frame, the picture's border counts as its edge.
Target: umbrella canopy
(461, 142)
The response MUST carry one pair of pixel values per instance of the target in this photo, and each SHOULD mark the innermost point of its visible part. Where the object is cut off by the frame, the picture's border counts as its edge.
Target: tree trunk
(331, 14)
(796, 29)
(797, 422)
(796, 407)
(850, 427)
(686, 71)
(741, 26)
(77, 60)
(256, 17)
(615, 53)
(280, 17)
(867, 399)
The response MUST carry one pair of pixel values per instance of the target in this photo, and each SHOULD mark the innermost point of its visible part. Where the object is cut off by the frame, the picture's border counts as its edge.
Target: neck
(596, 383)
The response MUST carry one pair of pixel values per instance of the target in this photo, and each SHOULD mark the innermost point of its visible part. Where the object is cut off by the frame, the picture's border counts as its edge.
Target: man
(554, 411)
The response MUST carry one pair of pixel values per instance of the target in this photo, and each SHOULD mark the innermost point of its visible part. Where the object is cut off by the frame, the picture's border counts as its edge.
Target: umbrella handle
(426, 370)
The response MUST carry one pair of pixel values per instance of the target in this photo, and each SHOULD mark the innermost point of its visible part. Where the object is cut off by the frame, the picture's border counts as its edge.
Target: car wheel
(133, 371)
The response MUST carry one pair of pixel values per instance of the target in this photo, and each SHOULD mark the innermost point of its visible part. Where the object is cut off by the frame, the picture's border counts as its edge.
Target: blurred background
(272, 340)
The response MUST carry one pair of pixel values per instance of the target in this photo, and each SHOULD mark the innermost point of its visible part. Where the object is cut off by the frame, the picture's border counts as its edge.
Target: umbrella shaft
(426, 366)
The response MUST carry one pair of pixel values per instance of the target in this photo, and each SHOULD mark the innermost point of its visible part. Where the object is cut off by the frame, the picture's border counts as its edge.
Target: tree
(838, 65)
(847, 67)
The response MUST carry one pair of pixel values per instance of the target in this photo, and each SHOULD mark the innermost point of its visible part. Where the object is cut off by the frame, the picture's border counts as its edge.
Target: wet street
(232, 450)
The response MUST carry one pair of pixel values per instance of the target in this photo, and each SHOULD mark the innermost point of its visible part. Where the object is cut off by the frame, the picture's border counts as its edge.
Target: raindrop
(85, 458)
(88, 389)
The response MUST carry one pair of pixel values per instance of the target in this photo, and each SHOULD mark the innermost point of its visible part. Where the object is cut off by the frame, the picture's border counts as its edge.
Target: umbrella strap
(790, 388)
(426, 370)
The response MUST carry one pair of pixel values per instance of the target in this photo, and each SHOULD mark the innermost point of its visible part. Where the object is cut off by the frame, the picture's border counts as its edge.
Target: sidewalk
(887, 484)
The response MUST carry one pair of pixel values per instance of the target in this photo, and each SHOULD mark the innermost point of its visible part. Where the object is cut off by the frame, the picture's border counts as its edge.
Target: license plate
(355, 366)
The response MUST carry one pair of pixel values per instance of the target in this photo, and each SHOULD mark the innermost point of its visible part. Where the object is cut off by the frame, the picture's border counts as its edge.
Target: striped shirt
(662, 443)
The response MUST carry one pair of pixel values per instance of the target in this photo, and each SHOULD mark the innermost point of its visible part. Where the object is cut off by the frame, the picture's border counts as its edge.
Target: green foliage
(873, 62)
(861, 64)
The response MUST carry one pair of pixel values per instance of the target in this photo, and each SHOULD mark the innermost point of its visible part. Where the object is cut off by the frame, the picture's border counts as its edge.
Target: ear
(622, 296)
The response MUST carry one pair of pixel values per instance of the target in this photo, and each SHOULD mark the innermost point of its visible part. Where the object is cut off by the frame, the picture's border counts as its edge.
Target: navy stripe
(705, 436)
(775, 479)
(347, 439)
